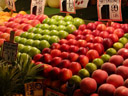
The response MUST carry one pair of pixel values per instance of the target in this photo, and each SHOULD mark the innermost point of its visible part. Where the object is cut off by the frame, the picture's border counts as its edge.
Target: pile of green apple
(43, 35)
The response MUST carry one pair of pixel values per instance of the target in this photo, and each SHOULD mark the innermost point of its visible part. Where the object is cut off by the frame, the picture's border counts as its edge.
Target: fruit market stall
(64, 56)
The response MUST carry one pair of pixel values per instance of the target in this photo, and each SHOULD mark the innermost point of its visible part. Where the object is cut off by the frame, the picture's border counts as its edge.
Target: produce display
(92, 57)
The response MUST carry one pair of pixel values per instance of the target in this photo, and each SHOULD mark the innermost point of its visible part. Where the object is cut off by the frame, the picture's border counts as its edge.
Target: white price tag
(50, 92)
(9, 51)
(67, 6)
(109, 10)
(37, 7)
(81, 3)
(11, 4)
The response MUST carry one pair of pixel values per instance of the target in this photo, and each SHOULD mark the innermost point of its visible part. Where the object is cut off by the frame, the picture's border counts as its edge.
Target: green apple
(44, 44)
(68, 23)
(70, 28)
(78, 21)
(53, 27)
(111, 51)
(68, 18)
(38, 31)
(52, 22)
(46, 37)
(91, 67)
(37, 37)
(54, 32)
(61, 27)
(26, 49)
(30, 36)
(98, 62)
(33, 51)
(57, 18)
(46, 21)
(45, 32)
(20, 47)
(38, 25)
(62, 34)
(61, 22)
(22, 40)
(17, 39)
(54, 39)
(24, 35)
(29, 42)
(75, 79)
(36, 43)
(44, 26)
(84, 73)
(105, 57)
(32, 29)
(123, 40)
(118, 45)
(126, 35)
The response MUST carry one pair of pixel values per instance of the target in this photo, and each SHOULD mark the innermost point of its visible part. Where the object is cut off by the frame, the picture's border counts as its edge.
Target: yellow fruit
(22, 12)
(14, 14)
(55, 4)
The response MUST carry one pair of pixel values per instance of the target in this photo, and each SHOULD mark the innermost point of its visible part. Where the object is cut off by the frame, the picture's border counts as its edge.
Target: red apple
(106, 90)
(64, 55)
(95, 32)
(80, 37)
(63, 41)
(73, 48)
(101, 27)
(34, 22)
(126, 83)
(82, 27)
(126, 45)
(46, 50)
(72, 42)
(56, 61)
(99, 47)
(46, 58)
(89, 38)
(24, 20)
(113, 37)
(55, 53)
(86, 31)
(98, 40)
(26, 27)
(92, 54)
(125, 62)
(110, 30)
(64, 47)
(55, 46)
(81, 43)
(94, 94)
(65, 74)
(119, 32)
(46, 70)
(125, 27)
(3, 28)
(75, 67)
(91, 26)
(70, 36)
(18, 32)
(90, 45)
(123, 52)
(115, 80)
(83, 60)
(82, 51)
(37, 57)
(73, 56)
(98, 22)
(107, 42)
(116, 25)
(8, 30)
(65, 63)
(104, 34)
(77, 32)
(55, 73)
(100, 76)
(1, 41)
(123, 71)
(121, 91)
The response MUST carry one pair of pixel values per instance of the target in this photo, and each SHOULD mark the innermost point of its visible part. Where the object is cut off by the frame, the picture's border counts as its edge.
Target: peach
(100, 76)
(123, 71)
(106, 90)
(115, 80)
(116, 59)
(88, 85)
(110, 68)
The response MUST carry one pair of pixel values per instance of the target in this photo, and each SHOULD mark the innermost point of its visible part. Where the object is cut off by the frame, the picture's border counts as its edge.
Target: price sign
(109, 10)
(11, 4)
(9, 51)
(34, 89)
(50, 92)
(37, 7)
(67, 6)
(81, 3)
